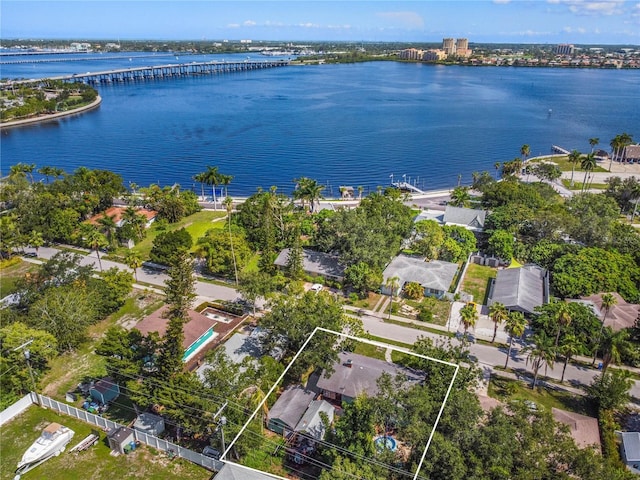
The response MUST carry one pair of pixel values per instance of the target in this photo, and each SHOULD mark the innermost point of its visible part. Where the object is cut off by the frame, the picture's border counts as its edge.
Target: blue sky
(522, 21)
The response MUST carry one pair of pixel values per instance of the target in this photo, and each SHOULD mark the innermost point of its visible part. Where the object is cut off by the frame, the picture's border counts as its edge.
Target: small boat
(52, 441)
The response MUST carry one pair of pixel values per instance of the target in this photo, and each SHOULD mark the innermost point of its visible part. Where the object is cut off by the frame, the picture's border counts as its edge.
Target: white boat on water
(52, 441)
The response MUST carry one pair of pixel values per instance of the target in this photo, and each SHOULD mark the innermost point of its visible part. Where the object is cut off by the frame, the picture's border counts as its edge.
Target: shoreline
(27, 121)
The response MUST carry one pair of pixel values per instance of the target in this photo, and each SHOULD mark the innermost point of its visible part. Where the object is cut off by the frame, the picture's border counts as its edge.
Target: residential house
(311, 422)
(355, 375)
(469, 218)
(435, 276)
(583, 429)
(520, 289)
(287, 411)
(198, 330)
(232, 471)
(315, 263)
(620, 316)
(631, 154)
(117, 213)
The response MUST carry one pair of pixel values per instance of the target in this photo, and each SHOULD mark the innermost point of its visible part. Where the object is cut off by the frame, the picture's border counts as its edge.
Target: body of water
(352, 124)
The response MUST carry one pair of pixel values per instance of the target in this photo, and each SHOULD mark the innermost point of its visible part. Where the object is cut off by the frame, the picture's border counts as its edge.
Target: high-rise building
(449, 46)
(564, 49)
(411, 54)
(462, 44)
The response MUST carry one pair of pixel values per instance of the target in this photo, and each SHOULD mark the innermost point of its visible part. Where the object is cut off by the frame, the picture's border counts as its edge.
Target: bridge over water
(124, 75)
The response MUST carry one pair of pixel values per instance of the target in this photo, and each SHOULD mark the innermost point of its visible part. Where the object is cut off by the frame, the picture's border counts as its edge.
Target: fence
(108, 425)
(17, 408)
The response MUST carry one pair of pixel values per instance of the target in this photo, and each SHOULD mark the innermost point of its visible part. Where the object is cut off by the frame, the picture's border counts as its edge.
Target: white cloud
(408, 19)
(233, 25)
(249, 23)
(587, 7)
(501, 2)
(574, 30)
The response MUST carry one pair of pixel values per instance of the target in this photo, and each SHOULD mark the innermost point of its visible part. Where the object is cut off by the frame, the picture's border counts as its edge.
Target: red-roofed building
(622, 315)
(198, 331)
(117, 213)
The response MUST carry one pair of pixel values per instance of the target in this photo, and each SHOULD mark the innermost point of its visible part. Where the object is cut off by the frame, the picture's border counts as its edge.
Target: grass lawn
(578, 185)
(564, 165)
(10, 275)
(476, 281)
(507, 389)
(69, 369)
(269, 456)
(197, 225)
(369, 350)
(367, 303)
(96, 462)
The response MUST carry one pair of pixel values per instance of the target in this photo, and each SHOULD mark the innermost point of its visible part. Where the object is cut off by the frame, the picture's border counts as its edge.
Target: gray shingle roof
(436, 275)
(291, 405)
(467, 217)
(631, 443)
(313, 262)
(360, 377)
(231, 471)
(311, 422)
(522, 288)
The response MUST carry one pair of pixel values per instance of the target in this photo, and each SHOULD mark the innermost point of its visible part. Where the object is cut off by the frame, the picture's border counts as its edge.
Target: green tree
(610, 391)
(515, 327)
(108, 226)
(574, 158)
(608, 301)
(169, 245)
(460, 197)
(588, 163)
(65, 312)
(35, 240)
(362, 278)
(255, 285)
(614, 345)
(501, 244)
(228, 204)
(292, 320)
(498, 314)
(469, 317)
(525, 151)
(569, 347)
(414, 290)
(133, 261)
(392, 284)
(539, 352)
(563, 319)
(180, 293)
(93, 239)
(593, 142)
(429, 238)
(216, 247)
(15, 377)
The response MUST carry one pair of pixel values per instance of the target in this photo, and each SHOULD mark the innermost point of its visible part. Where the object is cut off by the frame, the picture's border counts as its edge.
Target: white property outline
(352, 337)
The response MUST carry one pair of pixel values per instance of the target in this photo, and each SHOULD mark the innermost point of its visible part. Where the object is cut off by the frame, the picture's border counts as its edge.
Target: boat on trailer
(52, 441)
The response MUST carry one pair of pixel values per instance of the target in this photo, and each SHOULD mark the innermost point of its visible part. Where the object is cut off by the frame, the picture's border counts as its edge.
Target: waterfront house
(469, 218)
(520, 289)
(435, 276)
(117, 214)
(198, 330)
(314, 263)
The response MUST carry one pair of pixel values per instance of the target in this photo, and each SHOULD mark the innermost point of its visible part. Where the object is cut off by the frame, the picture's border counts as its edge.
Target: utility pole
(27, 356)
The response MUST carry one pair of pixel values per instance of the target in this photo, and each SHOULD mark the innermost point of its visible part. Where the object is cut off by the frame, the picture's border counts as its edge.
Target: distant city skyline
(481, 21)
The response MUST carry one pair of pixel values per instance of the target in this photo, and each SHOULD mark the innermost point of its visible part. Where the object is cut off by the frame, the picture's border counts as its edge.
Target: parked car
(211, 452)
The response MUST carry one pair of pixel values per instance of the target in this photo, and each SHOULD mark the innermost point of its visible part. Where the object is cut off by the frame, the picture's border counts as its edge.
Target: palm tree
(614, 345)
(498, 314)
(635, 193)
(574, 157)
(563, 319)
(608, 301)
(615, 146)
(309, 190)
(569, 347)
(460, 197)
(593, 142)
(515, 326)
(35, 240)
(212, 177)
(94, 239)
(46, 171)
(228, 203)
(360, 190)
(414, 290)
(525, 151)
(109, 228)
(625, 140)
(201, 178)
(133, 261)
(588, 163)
(314, 192)
(497, 165)
(226, 180)
(539, 352)
(391, 284)
(469, 317)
